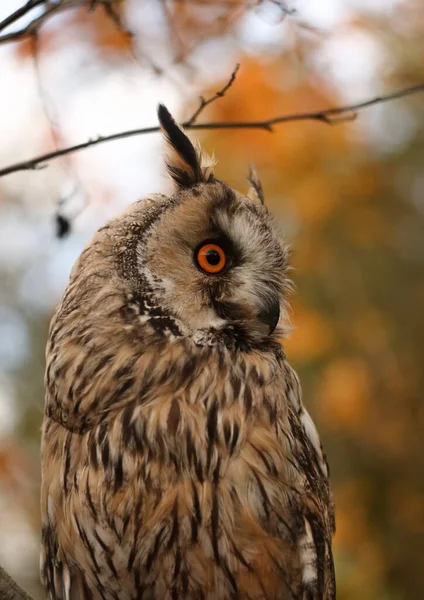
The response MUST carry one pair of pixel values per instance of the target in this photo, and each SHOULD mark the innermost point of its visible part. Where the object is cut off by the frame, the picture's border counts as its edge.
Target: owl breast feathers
(178, 461)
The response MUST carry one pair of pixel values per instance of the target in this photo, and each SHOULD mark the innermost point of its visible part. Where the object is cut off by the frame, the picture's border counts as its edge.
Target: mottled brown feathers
(178, 461)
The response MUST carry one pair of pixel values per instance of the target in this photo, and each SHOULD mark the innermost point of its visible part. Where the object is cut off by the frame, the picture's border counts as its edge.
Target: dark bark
(9, 589)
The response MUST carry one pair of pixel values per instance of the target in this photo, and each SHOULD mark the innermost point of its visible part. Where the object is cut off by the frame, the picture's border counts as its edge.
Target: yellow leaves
(344, 393)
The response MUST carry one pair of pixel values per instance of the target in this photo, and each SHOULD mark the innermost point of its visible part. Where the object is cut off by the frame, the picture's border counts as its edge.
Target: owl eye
(211, 258)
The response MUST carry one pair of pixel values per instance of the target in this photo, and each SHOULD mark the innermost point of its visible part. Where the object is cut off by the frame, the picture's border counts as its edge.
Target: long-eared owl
(178, 461)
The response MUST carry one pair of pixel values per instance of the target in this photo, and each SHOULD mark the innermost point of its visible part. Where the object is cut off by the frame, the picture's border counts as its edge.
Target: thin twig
(284, 8)
(50, 114)
(20, 12)
(44, 100)
(204, 103)
(35, 25)
(176, 42)
(330, 116)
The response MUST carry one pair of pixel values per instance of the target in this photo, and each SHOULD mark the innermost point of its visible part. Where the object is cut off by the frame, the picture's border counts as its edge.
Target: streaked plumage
(178, 459)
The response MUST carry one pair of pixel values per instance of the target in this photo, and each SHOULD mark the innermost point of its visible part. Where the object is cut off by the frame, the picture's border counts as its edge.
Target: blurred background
(348, 197)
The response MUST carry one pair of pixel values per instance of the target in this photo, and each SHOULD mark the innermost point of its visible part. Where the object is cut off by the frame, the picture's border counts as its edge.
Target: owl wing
(81, 545)
(316, 502)
(58, 578)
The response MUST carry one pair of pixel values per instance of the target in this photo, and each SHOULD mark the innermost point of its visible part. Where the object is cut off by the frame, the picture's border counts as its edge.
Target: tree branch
(62, 5)
(220, 94)
(330, 116)
(35, 25)
(9, 589)
(20, 12)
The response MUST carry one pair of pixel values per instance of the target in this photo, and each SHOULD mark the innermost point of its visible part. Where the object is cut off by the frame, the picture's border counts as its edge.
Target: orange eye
(211, 258)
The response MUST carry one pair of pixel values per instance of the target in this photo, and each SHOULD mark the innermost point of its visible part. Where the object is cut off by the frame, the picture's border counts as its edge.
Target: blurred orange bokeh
(345, 197)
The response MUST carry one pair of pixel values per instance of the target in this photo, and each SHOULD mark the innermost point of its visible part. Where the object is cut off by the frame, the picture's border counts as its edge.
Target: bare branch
(51, 9)
(9, 589)
(35, 25)
(204, 103)
(330, 116)
(20, 12)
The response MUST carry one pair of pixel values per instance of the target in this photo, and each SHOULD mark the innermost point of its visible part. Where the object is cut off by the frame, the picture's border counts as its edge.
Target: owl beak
(270, 315)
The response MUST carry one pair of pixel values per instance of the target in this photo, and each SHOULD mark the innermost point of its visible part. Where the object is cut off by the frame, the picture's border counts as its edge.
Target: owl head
(204, 263)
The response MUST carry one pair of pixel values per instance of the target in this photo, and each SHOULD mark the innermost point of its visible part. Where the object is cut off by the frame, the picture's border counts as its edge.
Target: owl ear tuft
(255, 191)
(186, 163)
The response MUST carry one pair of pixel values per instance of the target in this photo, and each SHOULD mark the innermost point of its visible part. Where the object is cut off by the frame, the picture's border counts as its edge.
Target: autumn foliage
(357, 326)
(345, 197)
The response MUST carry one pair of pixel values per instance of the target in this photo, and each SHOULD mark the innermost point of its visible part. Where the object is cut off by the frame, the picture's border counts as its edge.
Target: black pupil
(213, 258)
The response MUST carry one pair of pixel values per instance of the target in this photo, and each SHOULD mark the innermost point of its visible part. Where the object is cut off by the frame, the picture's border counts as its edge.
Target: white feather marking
(50, 510)
(144, 318)
(207, 163)
(308, 555)
(66, 583)
(313, 437)
(294, 399)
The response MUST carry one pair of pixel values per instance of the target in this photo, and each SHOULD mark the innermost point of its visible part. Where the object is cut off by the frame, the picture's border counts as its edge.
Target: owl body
(178, 459)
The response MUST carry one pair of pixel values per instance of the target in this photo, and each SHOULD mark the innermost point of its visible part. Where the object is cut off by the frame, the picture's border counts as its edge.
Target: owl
(178, 461)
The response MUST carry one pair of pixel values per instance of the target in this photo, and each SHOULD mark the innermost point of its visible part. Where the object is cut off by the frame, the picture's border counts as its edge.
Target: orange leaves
(15, 468)
(312, 336)
(344, 394)
(29, 46)
(160, 27)
(367, 227)
(100, 24)
(262, 90)
(351, 526)
(104, 28)
(314, 199)
(26, 48)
